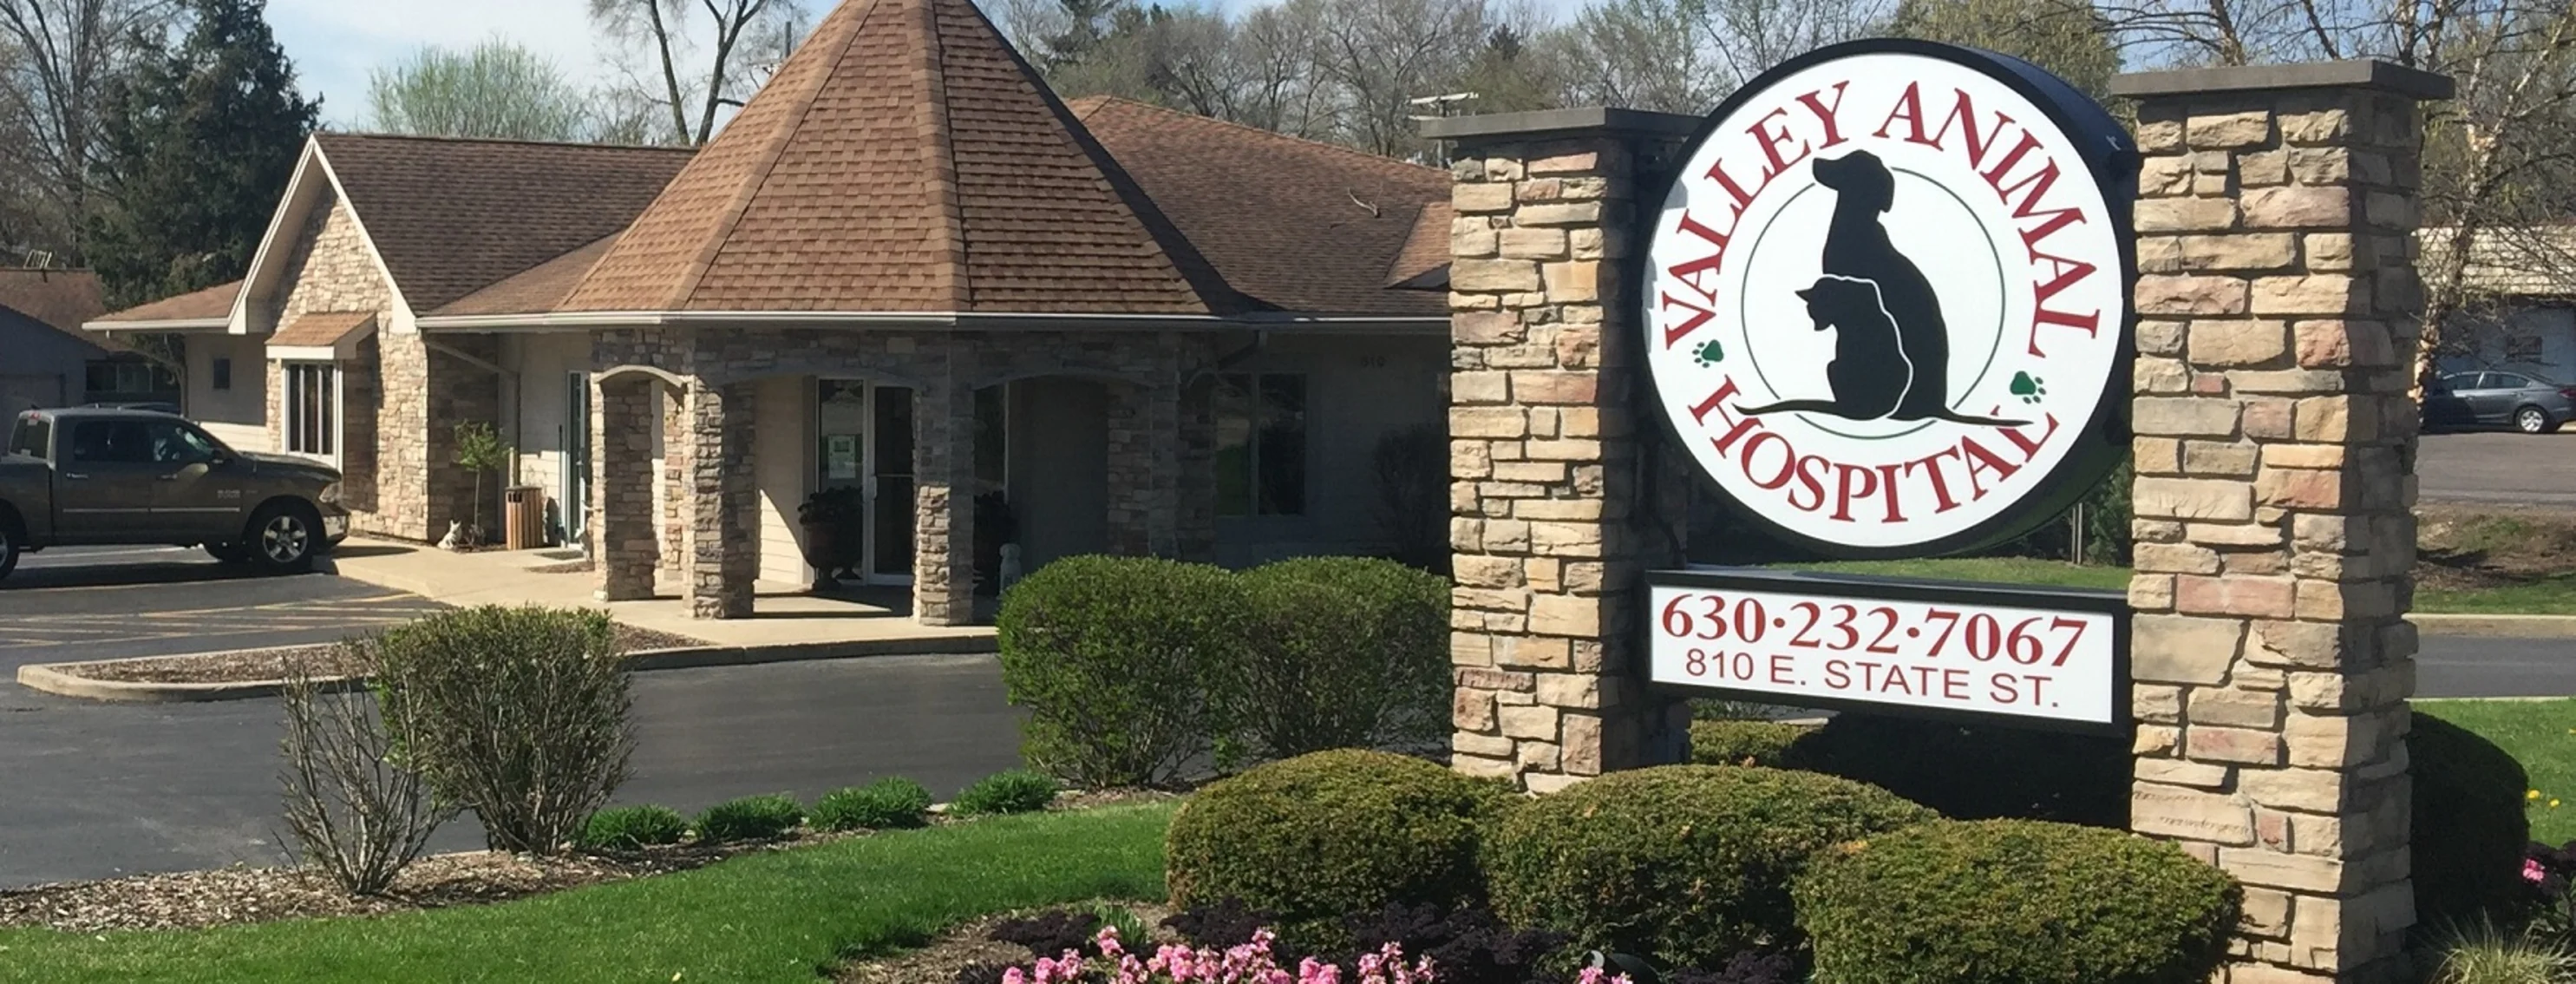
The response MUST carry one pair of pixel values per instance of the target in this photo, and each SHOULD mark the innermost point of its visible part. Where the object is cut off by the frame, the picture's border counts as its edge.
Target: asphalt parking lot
(72, 604)
(2498, 468)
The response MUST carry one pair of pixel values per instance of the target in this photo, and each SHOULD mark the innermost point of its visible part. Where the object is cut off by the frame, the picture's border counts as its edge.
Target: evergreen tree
(199, 142)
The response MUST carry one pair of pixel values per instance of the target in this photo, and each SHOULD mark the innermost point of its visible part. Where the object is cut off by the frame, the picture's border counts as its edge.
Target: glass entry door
(575, 507)
(863, 435)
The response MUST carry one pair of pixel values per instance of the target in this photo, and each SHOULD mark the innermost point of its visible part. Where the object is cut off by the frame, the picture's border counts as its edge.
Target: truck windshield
(30, 436)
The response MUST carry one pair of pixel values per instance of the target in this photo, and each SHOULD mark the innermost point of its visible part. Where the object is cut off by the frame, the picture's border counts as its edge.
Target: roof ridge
(518, 141)
(758, 176)
(1106, 100)
(949, 231)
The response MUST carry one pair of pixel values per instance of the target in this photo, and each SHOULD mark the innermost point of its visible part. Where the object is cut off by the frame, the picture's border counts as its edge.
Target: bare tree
(1626, 53)
(56, 59)
(355, 808)
(497, 89)
(702, 56)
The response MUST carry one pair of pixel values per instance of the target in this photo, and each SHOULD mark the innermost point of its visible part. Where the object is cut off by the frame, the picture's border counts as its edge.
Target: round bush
(2015, 902)
(627, 828)
(1318, 837)
(886, 804)
(1345, 652)
(1977, 772)
(1763, 743)
(1119, 661)
(2470, 824)
(750, 818)
(1015, 791)
(1685, 865)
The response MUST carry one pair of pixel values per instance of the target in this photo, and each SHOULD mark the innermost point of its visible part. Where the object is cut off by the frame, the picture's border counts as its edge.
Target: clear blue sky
(335, 43)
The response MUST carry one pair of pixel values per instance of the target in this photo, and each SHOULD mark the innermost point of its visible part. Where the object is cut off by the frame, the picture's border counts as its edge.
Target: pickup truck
(91, 475)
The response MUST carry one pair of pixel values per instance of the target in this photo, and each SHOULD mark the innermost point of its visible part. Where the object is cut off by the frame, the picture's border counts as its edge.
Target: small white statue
(455, 539)
(1010, 564)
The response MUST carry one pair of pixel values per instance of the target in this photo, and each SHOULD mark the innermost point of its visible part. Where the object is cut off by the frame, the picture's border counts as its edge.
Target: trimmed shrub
(1015, 791)
(1344, 652)
(1685, 865)
(886, 804)
(2015, 902)
(519, 714)
(1763, 743)
(627, 828)
(1318, 837)
(2470, 824)
(1977, 772)
(750, 818)
(1120, 661)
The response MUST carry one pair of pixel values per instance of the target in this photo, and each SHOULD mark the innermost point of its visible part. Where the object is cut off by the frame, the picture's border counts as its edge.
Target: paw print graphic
(2030, 388)
(1710, 354)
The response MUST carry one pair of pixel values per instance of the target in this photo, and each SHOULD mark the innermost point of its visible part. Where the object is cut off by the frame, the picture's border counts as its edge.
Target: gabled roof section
(62, 299)
(450, 215)
(1295, 224)
(321, 328)
(904, 159)
(209, 307)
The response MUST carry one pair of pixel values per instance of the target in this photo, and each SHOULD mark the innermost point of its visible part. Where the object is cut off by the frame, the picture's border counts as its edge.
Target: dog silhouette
(1857, 249)
(1870, 375)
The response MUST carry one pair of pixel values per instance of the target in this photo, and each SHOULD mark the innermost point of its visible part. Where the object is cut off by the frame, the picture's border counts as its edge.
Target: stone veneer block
(2272, 576)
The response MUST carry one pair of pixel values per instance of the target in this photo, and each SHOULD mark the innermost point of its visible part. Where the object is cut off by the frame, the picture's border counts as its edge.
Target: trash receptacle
(523, 517)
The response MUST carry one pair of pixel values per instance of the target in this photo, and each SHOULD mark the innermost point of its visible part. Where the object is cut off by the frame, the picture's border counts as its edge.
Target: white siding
(539, 426)
(237, 415)
(780, 445)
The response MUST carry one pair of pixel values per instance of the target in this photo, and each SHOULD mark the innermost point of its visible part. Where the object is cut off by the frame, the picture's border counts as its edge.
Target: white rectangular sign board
(2036, 655)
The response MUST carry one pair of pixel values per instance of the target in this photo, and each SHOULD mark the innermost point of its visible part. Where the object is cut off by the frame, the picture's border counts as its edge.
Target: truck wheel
(230, 553)
(283, 537)
(8, 546)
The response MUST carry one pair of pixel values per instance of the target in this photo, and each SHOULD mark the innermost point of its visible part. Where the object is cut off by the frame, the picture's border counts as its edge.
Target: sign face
(1886, 299)
(2037, 657)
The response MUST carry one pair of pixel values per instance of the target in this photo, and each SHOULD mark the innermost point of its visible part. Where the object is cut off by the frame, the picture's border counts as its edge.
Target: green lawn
(782, 916)
(2541, 734)
(2554, 596)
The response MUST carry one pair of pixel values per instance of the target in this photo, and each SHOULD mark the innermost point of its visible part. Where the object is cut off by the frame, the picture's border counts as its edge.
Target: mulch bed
(965, 946)
(198, 899)
(2460, 548)
(251, 665)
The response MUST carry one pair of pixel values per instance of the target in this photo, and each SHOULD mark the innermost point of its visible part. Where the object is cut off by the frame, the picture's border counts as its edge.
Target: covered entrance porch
(940, 454)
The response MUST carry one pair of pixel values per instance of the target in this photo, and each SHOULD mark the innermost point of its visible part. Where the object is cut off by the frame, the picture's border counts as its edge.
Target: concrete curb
(2516, 626)
(50, 677)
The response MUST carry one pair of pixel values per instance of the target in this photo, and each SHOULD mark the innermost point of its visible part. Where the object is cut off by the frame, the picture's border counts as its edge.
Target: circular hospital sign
(1886, 300)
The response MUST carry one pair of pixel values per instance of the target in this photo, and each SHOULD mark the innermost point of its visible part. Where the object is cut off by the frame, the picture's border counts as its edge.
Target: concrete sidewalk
(874, 621)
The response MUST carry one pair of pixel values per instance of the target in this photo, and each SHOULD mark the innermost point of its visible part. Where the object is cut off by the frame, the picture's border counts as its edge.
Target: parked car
(84, 476)
(2525, 402)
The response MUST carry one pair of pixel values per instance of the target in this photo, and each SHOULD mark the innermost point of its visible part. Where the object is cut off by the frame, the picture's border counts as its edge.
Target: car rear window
(30, 435)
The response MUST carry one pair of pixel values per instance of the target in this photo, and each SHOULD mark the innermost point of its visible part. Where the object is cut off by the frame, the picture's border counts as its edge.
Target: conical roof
(903, 159)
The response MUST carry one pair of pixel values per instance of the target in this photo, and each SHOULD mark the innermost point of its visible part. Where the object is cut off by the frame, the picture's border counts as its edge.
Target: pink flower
(2532, 871)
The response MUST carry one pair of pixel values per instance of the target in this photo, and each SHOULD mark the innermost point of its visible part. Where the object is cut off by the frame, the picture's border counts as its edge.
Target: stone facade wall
(402, 443)
(2275, 446)
(1557, 506)
(461, 391)
(384, 390)
(622, 528)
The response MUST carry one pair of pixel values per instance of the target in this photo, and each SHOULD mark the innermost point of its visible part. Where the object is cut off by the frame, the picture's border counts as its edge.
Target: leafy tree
(2067, 37)
(496, 89)
(199, 141)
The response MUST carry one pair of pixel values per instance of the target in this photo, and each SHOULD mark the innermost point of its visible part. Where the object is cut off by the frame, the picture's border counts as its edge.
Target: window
(1260, 445)
(32, 436)
(112, 379)
(126, 442)
(2522, 348)
(223, 374)
(2507, 381)
(175, 443)
(312, 405)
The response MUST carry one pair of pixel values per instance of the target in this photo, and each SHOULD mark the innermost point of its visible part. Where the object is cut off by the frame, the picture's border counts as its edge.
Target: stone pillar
(943, 499)
(623, 542)
(674, 478)
(720, 547)
(1554, 515)
(1197, 491)
(1145, 444)
(2277, 303)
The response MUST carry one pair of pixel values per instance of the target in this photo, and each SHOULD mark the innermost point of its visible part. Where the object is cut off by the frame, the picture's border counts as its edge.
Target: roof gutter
(161, 327)
(937, 320)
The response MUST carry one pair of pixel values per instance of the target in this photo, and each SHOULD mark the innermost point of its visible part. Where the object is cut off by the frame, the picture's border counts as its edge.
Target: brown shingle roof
(1286, 221)
(451, 216)
(1426, 248)
(200, 305)
(61, 298)
(536, 290)
(318, 329)
(904, 159)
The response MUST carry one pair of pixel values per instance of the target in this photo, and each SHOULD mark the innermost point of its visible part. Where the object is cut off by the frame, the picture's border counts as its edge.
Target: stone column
(1554, 515)
(623, 542)
(674, 478)
(1145, 467)
(720, 547)
(2277, 303)
(1196, 520)
(943, 498)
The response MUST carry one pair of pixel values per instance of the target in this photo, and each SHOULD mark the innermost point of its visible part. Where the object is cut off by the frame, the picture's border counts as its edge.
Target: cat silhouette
(1870, 375)
(1857, 248)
